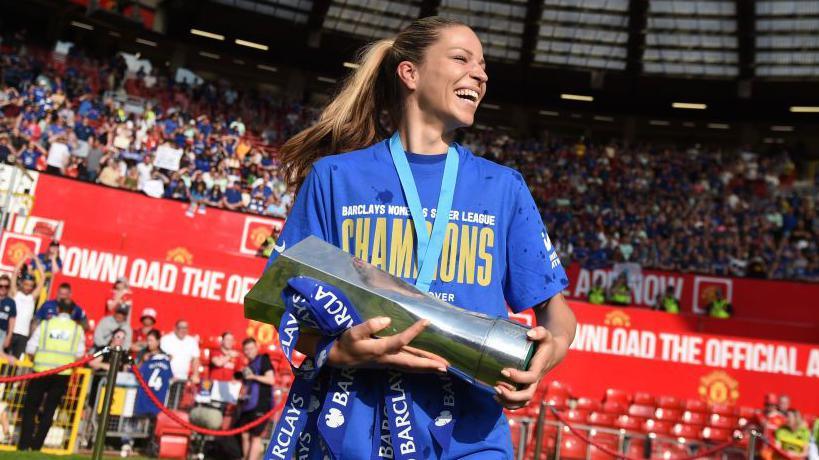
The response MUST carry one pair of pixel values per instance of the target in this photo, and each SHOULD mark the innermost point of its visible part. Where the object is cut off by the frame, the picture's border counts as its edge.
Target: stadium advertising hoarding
(763, 308)
(672, 359)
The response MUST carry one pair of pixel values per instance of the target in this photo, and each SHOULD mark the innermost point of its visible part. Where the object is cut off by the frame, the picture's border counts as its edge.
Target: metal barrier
(62, 437)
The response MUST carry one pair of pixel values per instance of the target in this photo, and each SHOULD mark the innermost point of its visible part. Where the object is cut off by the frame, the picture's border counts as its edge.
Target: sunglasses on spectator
(5, 286)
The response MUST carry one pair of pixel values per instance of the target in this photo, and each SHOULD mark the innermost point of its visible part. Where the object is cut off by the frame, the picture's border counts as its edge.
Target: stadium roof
(739, 58)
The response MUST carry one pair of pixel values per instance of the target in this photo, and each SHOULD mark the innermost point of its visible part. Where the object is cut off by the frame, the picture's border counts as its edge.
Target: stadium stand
(722, 212)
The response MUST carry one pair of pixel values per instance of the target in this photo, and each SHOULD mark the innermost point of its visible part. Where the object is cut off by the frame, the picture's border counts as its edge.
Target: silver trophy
(474, 344)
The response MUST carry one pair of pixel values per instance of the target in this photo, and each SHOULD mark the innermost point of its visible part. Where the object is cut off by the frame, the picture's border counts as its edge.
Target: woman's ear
(408, 74)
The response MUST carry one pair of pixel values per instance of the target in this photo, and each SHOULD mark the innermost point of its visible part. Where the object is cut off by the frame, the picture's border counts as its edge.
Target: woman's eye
(460, 58)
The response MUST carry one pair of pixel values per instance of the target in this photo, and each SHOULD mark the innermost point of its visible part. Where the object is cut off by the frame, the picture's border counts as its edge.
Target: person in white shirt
(58, 155)
(24, 299)
(184, 352)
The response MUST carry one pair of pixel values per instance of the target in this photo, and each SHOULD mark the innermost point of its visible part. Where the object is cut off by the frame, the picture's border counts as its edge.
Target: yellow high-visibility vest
(59, 339)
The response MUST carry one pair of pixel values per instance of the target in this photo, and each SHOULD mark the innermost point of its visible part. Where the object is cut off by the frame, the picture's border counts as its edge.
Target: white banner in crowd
(167, 158)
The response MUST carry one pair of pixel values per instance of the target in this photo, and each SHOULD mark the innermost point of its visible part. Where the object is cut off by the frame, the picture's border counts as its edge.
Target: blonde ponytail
(352, 120)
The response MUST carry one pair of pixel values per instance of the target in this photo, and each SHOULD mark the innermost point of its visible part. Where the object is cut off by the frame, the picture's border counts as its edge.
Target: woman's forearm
(556, 316)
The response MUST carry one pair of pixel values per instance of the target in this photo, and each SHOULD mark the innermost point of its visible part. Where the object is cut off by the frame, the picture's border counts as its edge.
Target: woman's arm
(553, 334)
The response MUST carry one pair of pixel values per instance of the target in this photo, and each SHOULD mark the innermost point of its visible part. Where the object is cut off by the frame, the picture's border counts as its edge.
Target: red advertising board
(193, 268)
(762, 308)
(200, 268)
(639, 350)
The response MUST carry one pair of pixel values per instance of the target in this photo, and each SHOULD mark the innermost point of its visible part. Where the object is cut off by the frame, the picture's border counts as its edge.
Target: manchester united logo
(16, 252)
(259, 234)
(179, 255)
(617, 318)
(719, 388)
(265, 334)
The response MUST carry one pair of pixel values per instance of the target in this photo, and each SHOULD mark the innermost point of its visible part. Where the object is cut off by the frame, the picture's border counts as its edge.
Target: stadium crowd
(692, 209)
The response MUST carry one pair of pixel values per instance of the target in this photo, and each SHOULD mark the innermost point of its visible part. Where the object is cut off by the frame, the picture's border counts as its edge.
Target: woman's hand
(358, 348)
(547, 356)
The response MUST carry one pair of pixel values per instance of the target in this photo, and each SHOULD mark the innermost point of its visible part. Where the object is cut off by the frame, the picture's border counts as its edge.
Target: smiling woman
(416, 204)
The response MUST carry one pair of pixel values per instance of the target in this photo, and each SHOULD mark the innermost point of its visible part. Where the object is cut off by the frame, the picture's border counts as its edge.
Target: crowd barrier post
(524, 435)
(99, 442)
(752, 434)
(539, 427)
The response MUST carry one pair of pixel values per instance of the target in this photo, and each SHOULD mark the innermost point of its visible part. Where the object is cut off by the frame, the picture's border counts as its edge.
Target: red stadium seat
(644, 399)
(628, 423)
(694, 405)
(638, 410)
(724, 409)
(688, 432)
(588, 404)
(572, 447)
(614, 408)
(601, 419)
(617, 396)
(559, 402)
(656, 427)
(669, 415)
(747, 412)
(669, 402)
(556, 388)
(694, 418)
(576, 416)
(720, 421)
(716, 434)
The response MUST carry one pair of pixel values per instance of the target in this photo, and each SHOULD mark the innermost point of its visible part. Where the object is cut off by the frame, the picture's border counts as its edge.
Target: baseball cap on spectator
(121, 309)
(148, 313)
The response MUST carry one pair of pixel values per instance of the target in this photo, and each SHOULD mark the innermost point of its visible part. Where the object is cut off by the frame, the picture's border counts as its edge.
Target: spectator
(118, 320)
(184, 352)
(110, 174)
(92, 161)
(24, 300)
(597, 293)
(720, 308)
(669, 303)
(147, 320)
(121, 294)
(58, 154)
(50, 308)
(233, 196)
(102, 363)
(224, 361)
(794, 436)
(620, 293)
(152, 346)
(257, 397)
(8, 312)
(198, 196)
(52, 264)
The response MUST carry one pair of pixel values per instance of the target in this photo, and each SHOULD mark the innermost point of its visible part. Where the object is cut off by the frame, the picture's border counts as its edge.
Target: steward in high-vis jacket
(55, 342)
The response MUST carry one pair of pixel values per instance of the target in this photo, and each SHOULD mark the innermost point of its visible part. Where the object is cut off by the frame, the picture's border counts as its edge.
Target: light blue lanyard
(428, 246)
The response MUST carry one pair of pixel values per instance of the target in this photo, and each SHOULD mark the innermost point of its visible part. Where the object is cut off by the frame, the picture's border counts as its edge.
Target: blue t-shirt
(157, 374)
(29, 158)
(8, 310)
(496, 252)
(49, 310)
(233, 196)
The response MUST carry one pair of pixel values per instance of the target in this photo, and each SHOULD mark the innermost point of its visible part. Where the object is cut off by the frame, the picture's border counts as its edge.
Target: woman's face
(118, 339)
(152, 342)
(451, 79)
